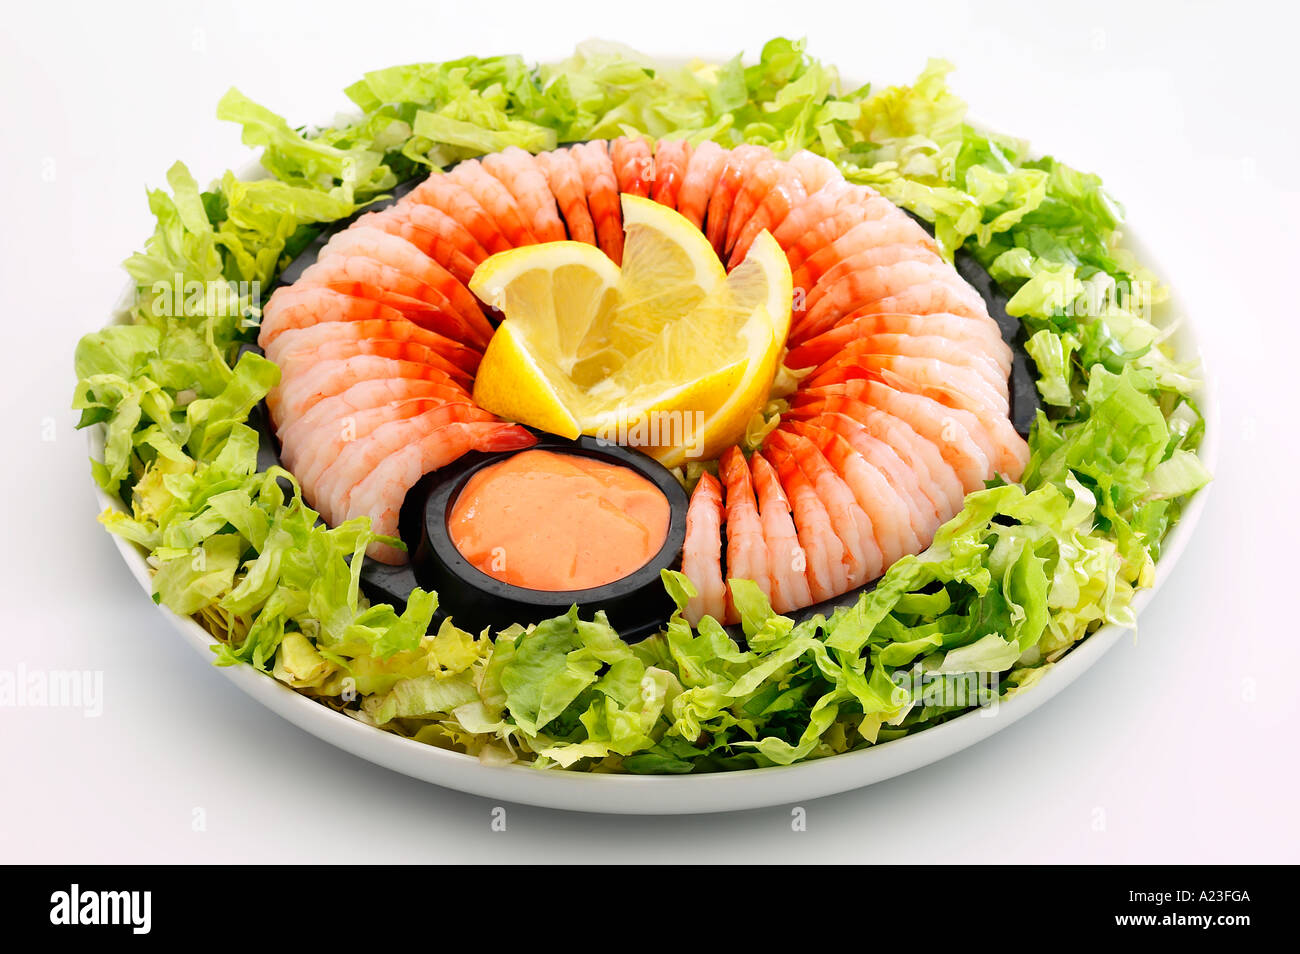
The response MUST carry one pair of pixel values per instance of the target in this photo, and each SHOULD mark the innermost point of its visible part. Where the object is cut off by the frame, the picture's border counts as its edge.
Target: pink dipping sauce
(551, 521)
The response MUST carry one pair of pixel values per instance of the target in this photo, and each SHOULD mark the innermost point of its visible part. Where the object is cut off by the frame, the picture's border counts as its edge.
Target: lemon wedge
(517, 388)
(762, 282)
(558, 291)
(669, 354)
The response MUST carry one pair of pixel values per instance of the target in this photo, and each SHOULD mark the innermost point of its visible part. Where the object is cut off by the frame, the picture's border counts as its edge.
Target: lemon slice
(669, 269)
(555, 293)
(669, 353)
(517, 387)
(714, 409)
(761, 281)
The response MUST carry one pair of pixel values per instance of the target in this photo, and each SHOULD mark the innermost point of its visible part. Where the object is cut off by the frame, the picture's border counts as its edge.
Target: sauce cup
(637, 604)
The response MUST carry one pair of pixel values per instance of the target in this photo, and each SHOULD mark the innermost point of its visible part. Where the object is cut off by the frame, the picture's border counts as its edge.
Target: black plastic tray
(637, 605)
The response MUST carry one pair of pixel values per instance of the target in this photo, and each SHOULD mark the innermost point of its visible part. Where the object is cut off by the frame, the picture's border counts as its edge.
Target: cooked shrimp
(786, 561)
(867, 285)
(827, 572)
(991, 430)
(672, 156)
(311, 440)
(735, 171)
(423, 304)
(496, 200)
(850, 522)
(383, 331)
(931, 420)
(330, 414)
(332, 377)
(829, 282)
(961, 439)
(841, 255)
(819, 204)
(818, 244)
(433, 233)
(824, 233)
(450, 232)
(634, 166)
(1005, 450)
(940, 296)
(764, 176)
(772, 190)
(827, 214)
(965, 354)
(951, 385)
(380, 494)
(702, 552)
(299, 369)
(397, 252)
(702, 171)
(302, 306)
(922, 513)
(746, 548)
(304, 360)
(814, 171)
(601, 186)
(451, 198)
(889, 510)
(327, 445)
(979, 335)
(937, 479)
(566, 185)
(337, 275)
(516, 169)
(357, 459)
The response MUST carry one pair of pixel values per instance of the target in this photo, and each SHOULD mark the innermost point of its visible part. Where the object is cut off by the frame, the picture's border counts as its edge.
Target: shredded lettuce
(1009, 585)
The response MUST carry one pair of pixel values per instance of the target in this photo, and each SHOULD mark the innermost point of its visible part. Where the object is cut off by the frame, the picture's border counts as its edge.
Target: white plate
(725, 791)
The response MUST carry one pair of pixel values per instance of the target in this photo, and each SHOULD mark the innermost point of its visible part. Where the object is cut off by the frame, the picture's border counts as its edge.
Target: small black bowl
(636, 604)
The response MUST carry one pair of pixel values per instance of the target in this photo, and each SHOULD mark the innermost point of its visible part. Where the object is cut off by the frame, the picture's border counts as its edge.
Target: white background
(1179, 746)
